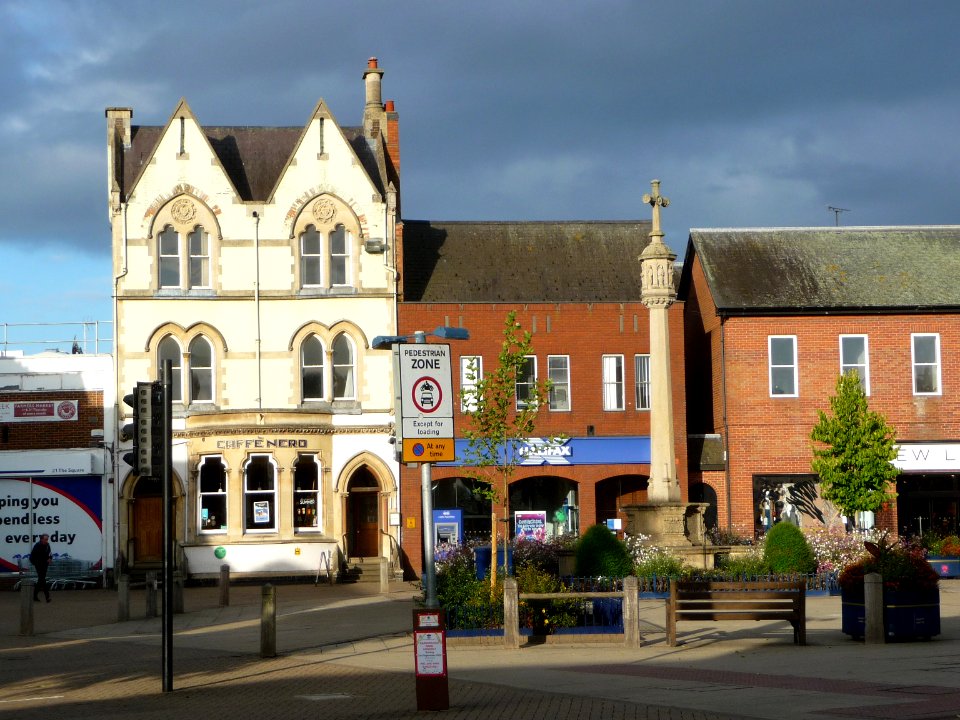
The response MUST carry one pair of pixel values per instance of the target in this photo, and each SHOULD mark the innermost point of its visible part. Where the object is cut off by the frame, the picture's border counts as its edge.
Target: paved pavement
(346, 652)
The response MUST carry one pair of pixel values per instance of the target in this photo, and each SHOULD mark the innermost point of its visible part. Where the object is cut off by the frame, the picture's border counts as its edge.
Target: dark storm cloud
(751, 112)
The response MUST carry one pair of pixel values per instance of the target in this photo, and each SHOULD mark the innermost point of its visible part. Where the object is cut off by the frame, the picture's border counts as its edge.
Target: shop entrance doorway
(363, 515)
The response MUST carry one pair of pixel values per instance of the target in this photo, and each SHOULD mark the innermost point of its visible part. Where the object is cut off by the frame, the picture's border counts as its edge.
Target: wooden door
(365, 531)
(148, 529)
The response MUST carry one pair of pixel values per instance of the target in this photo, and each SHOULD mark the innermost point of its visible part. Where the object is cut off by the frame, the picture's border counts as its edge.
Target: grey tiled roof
(830, 268)
(253, 157)
(523, 261)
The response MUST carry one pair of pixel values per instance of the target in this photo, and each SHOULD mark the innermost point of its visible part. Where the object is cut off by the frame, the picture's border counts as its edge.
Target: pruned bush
(786, 550)
(600, 553)
(747, 565)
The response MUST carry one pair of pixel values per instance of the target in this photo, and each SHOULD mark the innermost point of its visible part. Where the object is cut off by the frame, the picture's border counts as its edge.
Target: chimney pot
(372, 62)
(389, 106)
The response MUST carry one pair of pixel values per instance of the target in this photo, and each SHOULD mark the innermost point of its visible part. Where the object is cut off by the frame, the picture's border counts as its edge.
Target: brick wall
(54, 435)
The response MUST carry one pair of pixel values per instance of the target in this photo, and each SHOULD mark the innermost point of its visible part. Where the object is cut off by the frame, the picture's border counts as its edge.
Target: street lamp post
(426, 482)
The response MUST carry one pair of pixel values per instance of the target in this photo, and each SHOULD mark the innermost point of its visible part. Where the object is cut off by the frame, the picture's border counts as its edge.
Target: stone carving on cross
(656, 201)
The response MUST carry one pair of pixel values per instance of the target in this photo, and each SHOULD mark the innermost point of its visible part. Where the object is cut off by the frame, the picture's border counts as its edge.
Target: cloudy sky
(751, 112)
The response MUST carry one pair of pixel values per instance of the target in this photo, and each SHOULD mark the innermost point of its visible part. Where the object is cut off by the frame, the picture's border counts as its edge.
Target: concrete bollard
(511, 614)
(874, 633)
(151, 589)
(26, 606)
(123, 598)
(631, 612)
(224, 585)
(384, 576)
(268, 621)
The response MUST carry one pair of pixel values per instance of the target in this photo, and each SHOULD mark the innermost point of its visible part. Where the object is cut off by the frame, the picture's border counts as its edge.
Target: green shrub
(600, 553)
(543, 616)
(751, 564)
(786, 550)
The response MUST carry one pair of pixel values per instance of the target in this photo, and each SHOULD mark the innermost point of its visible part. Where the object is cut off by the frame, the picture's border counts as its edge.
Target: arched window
(212, 486)
(184, 265)
(343, 374)
(260, 494)
(339, 256)
(169, 349)
(311, 368)
(201, 370)
(311, 257)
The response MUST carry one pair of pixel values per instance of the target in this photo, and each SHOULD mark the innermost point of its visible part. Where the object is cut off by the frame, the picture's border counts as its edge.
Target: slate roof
(253, 157)
(522, 261)
(843, 269)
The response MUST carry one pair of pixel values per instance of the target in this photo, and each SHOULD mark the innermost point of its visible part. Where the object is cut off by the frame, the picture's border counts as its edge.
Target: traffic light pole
(167, 481)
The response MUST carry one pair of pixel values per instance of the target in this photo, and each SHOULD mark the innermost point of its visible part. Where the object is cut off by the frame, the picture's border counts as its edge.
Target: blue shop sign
(629, 450)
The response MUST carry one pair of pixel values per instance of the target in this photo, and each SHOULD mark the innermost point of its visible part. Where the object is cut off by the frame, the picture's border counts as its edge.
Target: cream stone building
(261, 262)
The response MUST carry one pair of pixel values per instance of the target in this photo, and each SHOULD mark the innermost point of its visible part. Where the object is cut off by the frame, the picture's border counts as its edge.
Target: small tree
(500, 421)
(854, 460)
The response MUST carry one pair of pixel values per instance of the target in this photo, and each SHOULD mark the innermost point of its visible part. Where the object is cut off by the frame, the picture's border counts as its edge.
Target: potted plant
(943, 554)
(911, 596)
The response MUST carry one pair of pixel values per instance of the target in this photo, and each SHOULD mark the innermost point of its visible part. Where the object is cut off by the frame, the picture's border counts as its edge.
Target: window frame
(937, 364)
(352, 365)
(196, 372)
(222, 494)
(863, 369)
(269, 495)
(641, 384)
(771, 367)
(314, 368)
(312, 257)
(316, 493)
(531, 384)
(176, 362)
(554, 384)
(614, 385)
(171, 261)
(467, 385)
(202, 258)
(340, 258)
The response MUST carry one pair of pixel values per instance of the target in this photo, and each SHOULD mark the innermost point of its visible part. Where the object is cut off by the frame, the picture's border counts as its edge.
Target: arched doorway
(146, 521)
(363, 514)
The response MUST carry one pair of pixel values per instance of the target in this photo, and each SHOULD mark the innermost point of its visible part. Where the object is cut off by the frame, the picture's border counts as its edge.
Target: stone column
(658, 294)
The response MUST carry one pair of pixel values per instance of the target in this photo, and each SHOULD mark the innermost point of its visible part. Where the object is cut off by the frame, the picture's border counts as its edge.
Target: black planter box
(907, 614)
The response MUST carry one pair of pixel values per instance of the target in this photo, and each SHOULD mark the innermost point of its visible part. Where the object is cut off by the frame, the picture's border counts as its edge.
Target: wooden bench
(701, 600)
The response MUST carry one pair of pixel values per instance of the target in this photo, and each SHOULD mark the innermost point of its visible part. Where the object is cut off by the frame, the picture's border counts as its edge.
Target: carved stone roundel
(324, 210)
(183, 210)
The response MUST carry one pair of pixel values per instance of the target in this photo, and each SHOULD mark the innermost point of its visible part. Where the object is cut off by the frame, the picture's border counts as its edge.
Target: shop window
(212, 484)
(471, 372)
(201, 370)
(925, 349)
(343, 368)
(613, 382)
(306, 494)
(526, 383)
(641, 379)
(783, 365)
(169, 349)
(311, 368)
(260, 495)
(558, 371)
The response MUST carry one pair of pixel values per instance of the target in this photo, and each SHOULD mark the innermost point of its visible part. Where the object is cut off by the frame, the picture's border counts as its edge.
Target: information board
(426, 402)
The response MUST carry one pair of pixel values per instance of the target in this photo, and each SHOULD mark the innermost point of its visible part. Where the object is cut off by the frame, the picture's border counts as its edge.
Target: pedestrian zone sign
(426, 402)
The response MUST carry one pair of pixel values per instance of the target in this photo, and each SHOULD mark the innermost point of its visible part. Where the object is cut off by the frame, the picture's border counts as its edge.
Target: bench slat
(735, 615)
(737, 605)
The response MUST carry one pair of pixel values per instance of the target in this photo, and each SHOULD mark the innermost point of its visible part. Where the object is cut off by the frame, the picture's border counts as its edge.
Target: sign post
(430, 655)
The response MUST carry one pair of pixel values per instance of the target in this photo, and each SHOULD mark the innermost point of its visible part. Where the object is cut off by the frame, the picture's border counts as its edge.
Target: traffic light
(146, 430)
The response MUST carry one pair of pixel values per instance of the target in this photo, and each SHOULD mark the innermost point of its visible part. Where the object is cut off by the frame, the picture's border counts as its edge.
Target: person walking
(40, 559)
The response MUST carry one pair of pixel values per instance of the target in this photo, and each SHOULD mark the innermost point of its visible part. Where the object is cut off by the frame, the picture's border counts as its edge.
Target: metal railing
(87, 337)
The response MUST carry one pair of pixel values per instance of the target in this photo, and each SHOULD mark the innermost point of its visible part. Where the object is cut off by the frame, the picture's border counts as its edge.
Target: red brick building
(576, 287)
(772, 317)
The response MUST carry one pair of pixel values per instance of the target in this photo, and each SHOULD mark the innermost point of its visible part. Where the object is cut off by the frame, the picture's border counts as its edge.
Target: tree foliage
(855, 452)
(498, 424)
